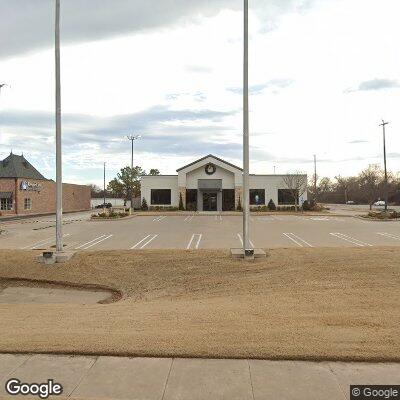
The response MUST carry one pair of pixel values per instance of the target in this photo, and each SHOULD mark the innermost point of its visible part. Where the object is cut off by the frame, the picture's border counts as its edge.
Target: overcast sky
(323, 73)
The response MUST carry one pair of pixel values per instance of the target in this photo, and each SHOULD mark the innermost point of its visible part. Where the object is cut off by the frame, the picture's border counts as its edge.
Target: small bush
(144, 207)
(271, 206)
(306, 206)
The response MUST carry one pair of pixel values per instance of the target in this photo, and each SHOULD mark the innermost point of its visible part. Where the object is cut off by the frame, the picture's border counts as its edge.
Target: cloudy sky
(323, 74)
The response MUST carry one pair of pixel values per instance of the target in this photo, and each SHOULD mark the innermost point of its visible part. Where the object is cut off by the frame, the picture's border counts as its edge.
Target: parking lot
(201, 232)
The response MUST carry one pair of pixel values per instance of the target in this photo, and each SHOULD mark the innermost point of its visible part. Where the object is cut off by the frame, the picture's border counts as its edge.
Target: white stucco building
(212, 184)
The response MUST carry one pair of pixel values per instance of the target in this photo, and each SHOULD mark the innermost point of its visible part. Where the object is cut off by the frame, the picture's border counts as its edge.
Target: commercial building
(24, 190)
(213, 184)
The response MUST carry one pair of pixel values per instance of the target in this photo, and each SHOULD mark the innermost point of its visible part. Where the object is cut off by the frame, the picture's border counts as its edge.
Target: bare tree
(370, 180)
(297, 185)
(344, 184)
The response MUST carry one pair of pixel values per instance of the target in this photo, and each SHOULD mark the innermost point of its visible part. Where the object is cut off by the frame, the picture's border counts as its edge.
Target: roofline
(278, 174)
(158, 176)
(212, 156)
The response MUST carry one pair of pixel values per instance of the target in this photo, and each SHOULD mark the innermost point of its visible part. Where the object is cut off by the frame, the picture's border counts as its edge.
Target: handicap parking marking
(218, 217)
(159, 219)
(94, 242)
(144, 242)
(195, 236)
(42, 243)
(389, 235)
(297, 239)
(350, 239)
(241, 240)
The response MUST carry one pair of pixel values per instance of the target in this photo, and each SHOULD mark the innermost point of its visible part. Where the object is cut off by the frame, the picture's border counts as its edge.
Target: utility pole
(247, 248)
(315, 178)
(132, 138)
(383, 125)
(274, 169)
(59, 235)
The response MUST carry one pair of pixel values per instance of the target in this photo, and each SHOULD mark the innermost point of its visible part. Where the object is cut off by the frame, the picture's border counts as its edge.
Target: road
(201, 232)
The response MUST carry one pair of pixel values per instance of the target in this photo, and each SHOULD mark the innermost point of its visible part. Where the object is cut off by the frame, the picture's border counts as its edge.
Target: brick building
(24, 190)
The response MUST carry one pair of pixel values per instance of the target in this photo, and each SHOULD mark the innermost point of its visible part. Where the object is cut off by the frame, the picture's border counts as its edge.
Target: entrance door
(210, 202)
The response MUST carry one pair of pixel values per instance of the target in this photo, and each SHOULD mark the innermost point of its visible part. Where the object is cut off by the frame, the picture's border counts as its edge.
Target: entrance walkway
(194, 379)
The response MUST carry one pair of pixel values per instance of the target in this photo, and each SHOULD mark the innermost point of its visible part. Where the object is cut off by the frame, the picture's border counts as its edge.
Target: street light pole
(247, 248)
(315, 178)
(104, 187)
(383, 125)
(59, 236)
(132, 138)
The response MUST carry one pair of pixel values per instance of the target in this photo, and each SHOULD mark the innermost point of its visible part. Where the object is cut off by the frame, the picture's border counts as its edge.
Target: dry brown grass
(336, 304)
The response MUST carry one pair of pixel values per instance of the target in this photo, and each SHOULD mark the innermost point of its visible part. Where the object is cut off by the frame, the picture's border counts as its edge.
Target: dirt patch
(310, 304)
(16, 286)
(39, 295)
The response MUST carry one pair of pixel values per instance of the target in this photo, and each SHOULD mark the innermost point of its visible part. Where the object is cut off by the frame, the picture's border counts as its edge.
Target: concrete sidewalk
(194, 379)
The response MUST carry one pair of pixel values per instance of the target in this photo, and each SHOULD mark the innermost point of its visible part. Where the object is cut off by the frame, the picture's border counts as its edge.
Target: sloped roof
(18, 167)
(212, 156)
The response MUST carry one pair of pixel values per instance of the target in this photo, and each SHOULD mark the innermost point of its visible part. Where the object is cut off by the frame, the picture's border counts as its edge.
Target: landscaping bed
(311, 304)
(390, 215)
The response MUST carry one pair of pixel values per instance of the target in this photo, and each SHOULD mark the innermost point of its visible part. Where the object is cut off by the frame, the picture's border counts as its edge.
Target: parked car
(105, 205)
(379, 203)
(350, 202)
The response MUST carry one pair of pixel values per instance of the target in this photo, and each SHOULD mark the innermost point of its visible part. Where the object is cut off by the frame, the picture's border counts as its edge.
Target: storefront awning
(6, 195)
(210, 184)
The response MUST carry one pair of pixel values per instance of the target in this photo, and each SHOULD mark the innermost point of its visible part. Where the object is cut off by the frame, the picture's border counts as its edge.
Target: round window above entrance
(210, 169)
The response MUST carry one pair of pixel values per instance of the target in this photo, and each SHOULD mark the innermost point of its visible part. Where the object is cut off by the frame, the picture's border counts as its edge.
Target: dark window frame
(27, 204)
(253, 193)
(6, 204)
(158, 199)
(228, 199)
(191, 199)
(286, 198)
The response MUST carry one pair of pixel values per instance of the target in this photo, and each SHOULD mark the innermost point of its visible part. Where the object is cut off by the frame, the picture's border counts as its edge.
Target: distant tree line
(126, 182)
(365, 188)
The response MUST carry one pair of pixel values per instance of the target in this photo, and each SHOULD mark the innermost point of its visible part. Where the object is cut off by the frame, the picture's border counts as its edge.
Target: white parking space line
(189, 218)
(241, 240)
(97, 242)
(193, 240)
(42, 243)
(150, 239)
(350, 239)
(159, 219)
(297, 239)
(389, 235)
(84, 244)
(144, 242)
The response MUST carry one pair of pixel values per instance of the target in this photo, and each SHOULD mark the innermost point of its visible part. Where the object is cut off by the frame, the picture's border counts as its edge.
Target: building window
(228, 200)
(27, 204)
(6, 204)
(257, 197)
(191, 199)
(285, 197)
(160, 197)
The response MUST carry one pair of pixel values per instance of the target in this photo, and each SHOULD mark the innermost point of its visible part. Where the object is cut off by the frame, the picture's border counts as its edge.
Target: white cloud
(188, 64)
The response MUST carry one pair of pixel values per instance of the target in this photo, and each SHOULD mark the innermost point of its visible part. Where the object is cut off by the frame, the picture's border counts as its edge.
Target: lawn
(319, 304)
